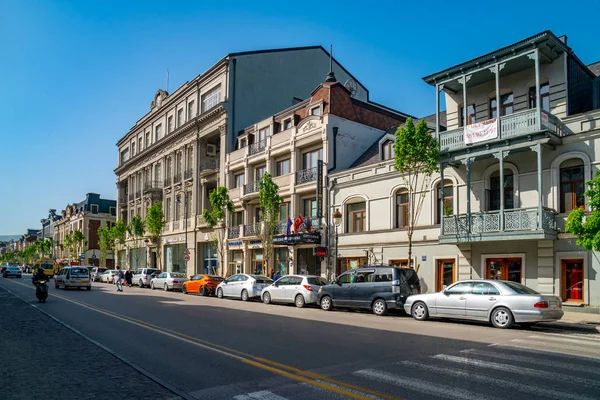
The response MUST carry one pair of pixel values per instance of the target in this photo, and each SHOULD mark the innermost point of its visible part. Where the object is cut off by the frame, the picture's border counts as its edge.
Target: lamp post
(337, 220)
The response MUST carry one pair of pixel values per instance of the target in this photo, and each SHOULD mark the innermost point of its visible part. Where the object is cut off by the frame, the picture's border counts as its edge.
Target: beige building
(511, 174)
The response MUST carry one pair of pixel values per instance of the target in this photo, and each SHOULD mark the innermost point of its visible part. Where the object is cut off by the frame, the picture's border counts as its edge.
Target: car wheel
(152, 285)
(166, 287)
(203, 291)
(419, 311)
(184, 290)
(244, 295)
(502, 318)
(141, 283)
(267, 298)
(379, 307)
(326, 303)
(220, 293)
(299, 301)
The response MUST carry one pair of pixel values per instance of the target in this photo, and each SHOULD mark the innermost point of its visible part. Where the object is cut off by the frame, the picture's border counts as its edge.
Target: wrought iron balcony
(252, 187)
(306, 175)
(209, 165)
(177, 177)
(281, 228)
(521, 222)
(510, 126)
(252, 229)
(257, 147)
(233, 232)
(153, 185)
(167, 182)
(188, 174)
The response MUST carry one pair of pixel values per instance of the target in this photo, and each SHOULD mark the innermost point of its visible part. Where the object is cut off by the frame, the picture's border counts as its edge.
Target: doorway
(572, 280)
(445, 273)
(505, 269)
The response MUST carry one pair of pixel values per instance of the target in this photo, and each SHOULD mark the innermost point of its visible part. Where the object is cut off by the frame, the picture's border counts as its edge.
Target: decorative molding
(464, 79)
(532, 56)
(440, 87)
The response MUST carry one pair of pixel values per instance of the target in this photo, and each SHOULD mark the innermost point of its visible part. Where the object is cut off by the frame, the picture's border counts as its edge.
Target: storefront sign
(481, 131)
(255, 242)
(319, 188)
(300, 238)
(175, 240)
(236, 243)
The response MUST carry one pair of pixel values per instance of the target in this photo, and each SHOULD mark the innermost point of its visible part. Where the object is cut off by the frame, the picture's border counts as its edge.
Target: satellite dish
(351, 86)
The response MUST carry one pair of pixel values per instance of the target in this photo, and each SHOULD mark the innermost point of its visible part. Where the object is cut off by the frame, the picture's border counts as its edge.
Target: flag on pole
(297, 223)
(289, 225)
(307, 223)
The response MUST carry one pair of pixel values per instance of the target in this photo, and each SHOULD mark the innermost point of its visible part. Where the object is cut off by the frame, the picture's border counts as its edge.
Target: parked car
(73, 277)
(96, 273)
(203, 284)
(503, 303)
(11, 271)
(143, 276)
(108, 276)
(244, 286)
(377, 288)
(297, 289)
(168, 281)
(3, 268)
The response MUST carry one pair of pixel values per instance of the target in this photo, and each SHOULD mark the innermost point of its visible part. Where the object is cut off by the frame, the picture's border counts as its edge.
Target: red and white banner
(481, 131)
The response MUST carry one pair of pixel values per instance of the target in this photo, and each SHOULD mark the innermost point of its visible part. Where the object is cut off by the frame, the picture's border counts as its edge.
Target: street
(208, 348)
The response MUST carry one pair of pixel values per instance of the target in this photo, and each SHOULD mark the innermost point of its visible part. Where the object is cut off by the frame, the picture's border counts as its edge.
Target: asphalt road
(209, 348)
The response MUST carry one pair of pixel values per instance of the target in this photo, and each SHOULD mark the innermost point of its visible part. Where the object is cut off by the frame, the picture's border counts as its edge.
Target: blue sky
(76, 75)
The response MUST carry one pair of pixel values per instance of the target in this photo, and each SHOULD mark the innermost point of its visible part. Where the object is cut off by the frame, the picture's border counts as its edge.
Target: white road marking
(567, 340)
(447, 392)
(554, 346)
(366, 395)
(526, 388)
(262, 395)
(519, 370)
(593, 337)
(532, 360)
(545, 353)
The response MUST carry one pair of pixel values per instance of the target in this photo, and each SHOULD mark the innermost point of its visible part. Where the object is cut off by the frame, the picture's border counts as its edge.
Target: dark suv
(377, 288)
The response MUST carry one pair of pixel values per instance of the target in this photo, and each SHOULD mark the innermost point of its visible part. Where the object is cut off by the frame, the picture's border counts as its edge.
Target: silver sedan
(168, 281)
(297, 289)
(503, 303)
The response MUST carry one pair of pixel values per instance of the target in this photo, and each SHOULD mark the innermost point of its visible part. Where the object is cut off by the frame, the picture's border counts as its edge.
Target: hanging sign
(481, 131)
(319, 188)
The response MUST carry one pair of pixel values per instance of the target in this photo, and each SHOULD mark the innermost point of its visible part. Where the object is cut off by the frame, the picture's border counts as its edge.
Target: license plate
(259, 286)
(553, 304)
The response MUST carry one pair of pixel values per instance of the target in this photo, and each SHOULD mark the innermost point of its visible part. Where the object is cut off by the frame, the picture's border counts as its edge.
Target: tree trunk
(409, 248)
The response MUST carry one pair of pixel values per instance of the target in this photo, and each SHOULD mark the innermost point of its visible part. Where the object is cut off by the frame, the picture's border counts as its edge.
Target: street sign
(82, 255)
(93, 256)
(186, 252)
(186, 257)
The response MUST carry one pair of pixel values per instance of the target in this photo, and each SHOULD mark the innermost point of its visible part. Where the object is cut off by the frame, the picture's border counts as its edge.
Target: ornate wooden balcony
(485, 226)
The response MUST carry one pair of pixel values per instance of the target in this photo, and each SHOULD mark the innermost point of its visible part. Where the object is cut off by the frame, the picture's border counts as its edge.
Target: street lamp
(337, 220)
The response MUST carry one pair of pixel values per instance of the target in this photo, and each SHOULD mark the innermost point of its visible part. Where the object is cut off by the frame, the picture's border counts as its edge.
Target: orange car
(203, 284)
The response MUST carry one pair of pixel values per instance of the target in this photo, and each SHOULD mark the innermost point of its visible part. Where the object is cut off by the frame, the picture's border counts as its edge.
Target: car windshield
(178, 275)
(317, 281)
(13, 269)
(520, 289)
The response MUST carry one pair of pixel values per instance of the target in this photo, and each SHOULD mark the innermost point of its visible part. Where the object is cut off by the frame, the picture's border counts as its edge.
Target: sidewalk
(42, 359)
(578, 321)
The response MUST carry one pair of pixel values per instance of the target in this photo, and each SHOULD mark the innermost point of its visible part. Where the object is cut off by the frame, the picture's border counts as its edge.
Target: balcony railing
(306, 175)
(150, 185)
(257, 147)
(281, 228)
(177, 177)
(123, 199)
(518, 219)
(209, 165)
(233, 232)
(252, 229)
(251, 187)
(510, 126)
(188, 174)
(167, 181)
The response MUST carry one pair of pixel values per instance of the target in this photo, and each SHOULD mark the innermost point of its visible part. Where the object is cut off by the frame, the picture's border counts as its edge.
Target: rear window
(520, 289)
(216, 278)
(151, 271)
(262, 279)
(46, 265)
(79, 271)
(13, 269)
(178, 275)
(409, 276)
(316, 281)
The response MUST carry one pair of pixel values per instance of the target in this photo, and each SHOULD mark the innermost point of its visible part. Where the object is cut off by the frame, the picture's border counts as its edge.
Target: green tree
(136, 230)
(69, 245)
(416, 158)
(270, 202)
(215, 217)
(155, 223)
(79, 240)
(119, 230)
(48, 246)
(587, 228)
(105, 242)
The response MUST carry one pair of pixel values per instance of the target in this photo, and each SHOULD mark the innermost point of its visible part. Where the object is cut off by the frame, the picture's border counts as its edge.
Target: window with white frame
(264, 133)
(387, 150)
(287, 124)
(158, 132)
(402, 209)
(356, 216)
(316, 111)
(211, 98)
(170, 123)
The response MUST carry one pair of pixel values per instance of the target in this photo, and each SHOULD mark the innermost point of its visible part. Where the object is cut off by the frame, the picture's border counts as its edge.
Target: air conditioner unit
(211, 150)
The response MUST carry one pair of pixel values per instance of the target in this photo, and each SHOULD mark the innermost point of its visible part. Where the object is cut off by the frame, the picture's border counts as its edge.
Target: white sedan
(243, 286)
(503, 303)
(168, 281)
(109, 276)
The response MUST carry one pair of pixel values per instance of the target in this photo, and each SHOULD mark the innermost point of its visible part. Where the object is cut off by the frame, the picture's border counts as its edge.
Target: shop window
(572, 280)
(504, 269)
(572, 188)
(445, 273)
(281, 261)
(236, 263)
(257, 262)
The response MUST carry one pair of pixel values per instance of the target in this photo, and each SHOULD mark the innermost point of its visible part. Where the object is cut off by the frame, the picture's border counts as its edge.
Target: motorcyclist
(38, 276)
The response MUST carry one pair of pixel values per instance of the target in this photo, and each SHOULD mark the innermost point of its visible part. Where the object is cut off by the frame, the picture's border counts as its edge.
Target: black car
(377, 288)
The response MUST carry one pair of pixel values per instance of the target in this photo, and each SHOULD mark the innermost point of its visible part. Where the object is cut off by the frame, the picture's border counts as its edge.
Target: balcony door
(504, 269)
(309, 159)
(493, 193)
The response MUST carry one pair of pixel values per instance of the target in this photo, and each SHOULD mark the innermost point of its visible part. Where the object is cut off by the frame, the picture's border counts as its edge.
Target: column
(496, 71)
(501, 158)
(463, 80)
(195, 175)
(441, 205)
(537, 79)
(203, 198)
(469, 195)
(437, 117)
(538, 150)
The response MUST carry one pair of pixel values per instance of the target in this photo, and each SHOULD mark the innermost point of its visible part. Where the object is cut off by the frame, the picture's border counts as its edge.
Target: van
(47, 265)
(73, 277)
(377, 288)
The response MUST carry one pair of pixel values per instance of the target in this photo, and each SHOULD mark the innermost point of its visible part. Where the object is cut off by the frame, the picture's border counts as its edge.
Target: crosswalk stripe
(366, 395)
(519, 370)
(447, 392)
(531, 360)
(554, 346)
(537, 390)
(521, 349)
(567, 340)
(262, 395)
(592, 337)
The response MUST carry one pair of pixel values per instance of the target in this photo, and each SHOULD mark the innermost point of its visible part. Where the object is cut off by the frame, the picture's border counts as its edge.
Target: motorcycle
(41, 291)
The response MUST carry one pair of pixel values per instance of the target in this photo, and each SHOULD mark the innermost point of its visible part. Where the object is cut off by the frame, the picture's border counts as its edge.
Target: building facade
(177, 152)
(511, 169)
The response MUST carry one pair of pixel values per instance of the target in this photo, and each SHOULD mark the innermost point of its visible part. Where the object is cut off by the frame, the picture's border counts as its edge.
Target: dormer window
(387, 150)
(315, 111)
(264, 133)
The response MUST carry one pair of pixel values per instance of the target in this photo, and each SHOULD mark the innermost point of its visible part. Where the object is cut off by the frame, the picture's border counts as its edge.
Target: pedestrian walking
(129, 277)
(120, 277)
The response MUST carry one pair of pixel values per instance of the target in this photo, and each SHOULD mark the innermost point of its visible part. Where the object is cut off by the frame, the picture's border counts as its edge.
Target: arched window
(401, 198)
(493, 193)
(356, 215)
(572, 185)
(448, 200)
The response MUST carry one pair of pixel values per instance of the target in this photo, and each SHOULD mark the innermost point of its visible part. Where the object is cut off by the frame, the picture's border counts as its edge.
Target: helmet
(40, 270)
